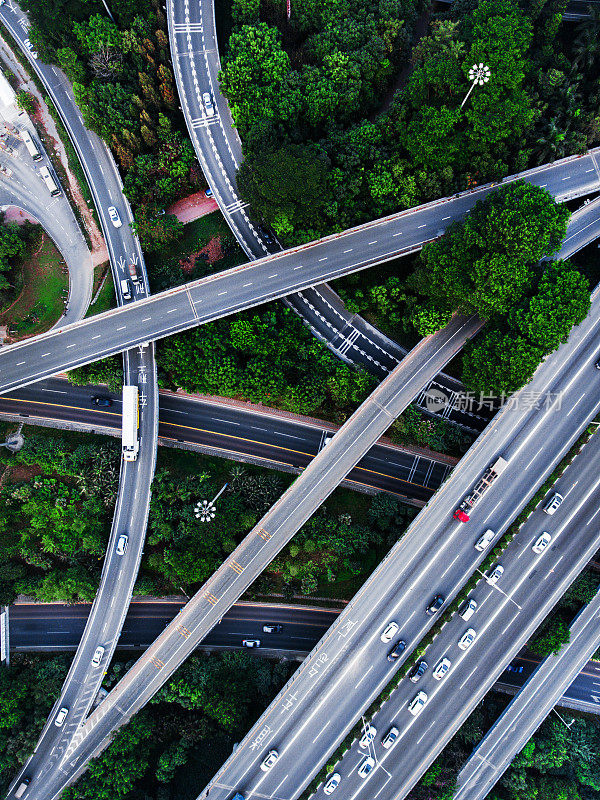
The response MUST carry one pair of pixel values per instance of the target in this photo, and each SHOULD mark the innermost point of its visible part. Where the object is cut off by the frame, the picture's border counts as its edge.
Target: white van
(485, 540)
(125, 289)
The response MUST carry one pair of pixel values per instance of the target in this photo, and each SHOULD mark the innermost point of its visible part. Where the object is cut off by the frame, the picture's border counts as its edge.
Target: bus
(31, 147)
(131, 423)
(50, 182)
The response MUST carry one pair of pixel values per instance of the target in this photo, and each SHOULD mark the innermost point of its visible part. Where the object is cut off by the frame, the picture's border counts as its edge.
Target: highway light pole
(478, 75)
(205, 510)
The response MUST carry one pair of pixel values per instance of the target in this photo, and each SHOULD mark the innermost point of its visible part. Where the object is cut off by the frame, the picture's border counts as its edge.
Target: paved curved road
(26, 190)
(131, 512)
(195, 54)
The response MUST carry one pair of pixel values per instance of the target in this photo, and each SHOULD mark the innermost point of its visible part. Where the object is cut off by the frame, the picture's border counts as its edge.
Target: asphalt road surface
(507, 615)
(347, 670)
(260, 281)
(526, 712)
(25, 189)
(54, 627)
(131, 512)
(257, 550)
(233, 432)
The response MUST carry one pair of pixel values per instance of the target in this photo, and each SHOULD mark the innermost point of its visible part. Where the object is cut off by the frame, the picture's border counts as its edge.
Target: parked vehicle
(51, 184)
(31, 146)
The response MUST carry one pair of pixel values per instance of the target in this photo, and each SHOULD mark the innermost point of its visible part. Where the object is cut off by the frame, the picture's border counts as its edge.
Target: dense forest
(168, 750)
(343, 121)
(58, 498)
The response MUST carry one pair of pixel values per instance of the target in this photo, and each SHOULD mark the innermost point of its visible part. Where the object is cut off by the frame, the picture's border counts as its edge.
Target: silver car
(209, 106)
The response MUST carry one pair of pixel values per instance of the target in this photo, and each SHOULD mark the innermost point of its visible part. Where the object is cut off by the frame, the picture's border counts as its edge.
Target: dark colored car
(436, 604)
(597, 364)
(267, 235)
(518, 668)
(418, 671)
(100, 400)
(397, 650)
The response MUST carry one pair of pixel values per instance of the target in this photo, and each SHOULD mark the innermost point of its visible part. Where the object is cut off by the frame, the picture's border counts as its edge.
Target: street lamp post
(478, 75)
(205, 510)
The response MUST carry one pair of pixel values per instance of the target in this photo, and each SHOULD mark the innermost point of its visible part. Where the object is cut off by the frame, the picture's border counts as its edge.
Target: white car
(554, 503)
(122, 544)
(468, 608)
(251, 642)
(29, 46)
(332, 783)
(270, 760)
(485, 540)
(61, 717)
(495, 574)
(417, 704)
(98, 653)
(209, 106)
(366, 767)
(391, 629)
(542, 542)
(467, 639)
(441, 669)
(367, 737)
(390, 737)
(114, 216)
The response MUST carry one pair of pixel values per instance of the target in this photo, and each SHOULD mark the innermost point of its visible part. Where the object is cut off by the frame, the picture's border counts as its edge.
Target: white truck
(130, 421)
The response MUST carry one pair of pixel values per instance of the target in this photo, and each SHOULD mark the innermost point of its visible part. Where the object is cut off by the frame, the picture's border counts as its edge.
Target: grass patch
(104, 291)
(40, 302)
(164, 268)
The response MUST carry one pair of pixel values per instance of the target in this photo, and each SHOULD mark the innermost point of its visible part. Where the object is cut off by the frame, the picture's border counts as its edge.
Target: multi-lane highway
(54, 627)
(348, 668)
(119, 572)
(506, 616)
(256, 434)
(259, 547)
(532, 704)
(266, 279)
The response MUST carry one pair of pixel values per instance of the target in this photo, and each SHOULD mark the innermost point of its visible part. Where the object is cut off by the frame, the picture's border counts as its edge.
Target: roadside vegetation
(58, 498)
(168, 750)
(33, 280)
(346, 115)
